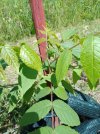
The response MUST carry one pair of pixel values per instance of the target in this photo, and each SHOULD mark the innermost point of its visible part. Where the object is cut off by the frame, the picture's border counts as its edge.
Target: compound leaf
(26, 79)
(65, 113)
(67, 34)
(76, 75)
(63, 64)
(10, 57)
(90, 58)
(64, 130)
(30, 58)
(43, 130)
(36, 112)
(42, 93)
(61, 93)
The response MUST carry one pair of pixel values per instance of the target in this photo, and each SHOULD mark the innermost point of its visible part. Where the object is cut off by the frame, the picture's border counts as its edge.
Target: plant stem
(50, 85)
(54, 60)
(52, 112)
(51, 95)
(74, 46)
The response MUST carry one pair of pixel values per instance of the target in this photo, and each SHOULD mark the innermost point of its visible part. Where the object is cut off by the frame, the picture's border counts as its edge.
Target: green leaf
(37, 112)
(76, 75)
(42, 93)
(68, 44)
(54, 80)
(3, 63)
(61, 93)
(64, 130)
(1, 91)
(76, 51)
(67, 34)
(65, 113)
(30, 58)
(10, 57)
(68, 86)
(26, 79)
(13, 99)
(2, 75)
(58, 130)
(63, 64)
(90, 58)
(43, 130)
(28, 94)
(16, 48)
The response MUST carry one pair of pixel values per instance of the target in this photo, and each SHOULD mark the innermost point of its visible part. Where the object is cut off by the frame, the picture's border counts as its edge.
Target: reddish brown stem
(52, 112)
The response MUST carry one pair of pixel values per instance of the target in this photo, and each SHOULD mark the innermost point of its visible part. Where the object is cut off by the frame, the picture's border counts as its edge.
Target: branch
(74, 46)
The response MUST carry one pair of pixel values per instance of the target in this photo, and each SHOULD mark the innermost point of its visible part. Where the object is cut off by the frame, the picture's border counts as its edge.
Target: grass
(16, 21)
(65, 12)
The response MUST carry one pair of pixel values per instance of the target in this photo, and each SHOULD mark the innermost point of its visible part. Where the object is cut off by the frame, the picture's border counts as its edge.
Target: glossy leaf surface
(76, 75)
(43, 130)
(64, 130)
(90, 58)
(30, 58)
(61, 93)
(42, 93)
(26, 79)
(63, 64)
(36, 112)
(10, 57)
(67, 34)
(65, 113)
